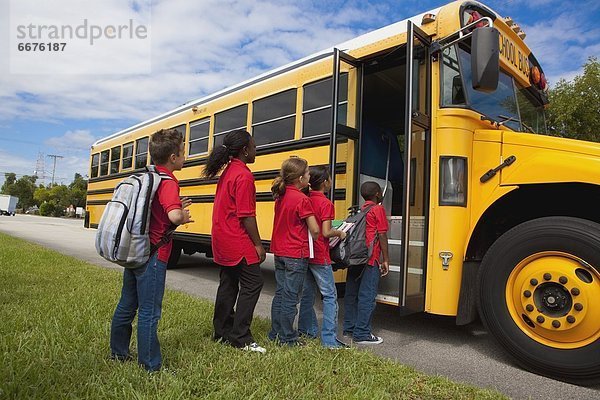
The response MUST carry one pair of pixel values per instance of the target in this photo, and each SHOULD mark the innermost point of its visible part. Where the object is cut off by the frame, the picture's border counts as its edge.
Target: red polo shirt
(234, 200)
(166, 199)
(324, 211)
(376, 223)
(290, 232)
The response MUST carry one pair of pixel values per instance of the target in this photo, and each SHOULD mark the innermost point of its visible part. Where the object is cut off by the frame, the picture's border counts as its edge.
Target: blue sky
(201, 46)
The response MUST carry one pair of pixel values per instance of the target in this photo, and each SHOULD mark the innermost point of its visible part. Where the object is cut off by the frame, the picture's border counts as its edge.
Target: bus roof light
(428, 18)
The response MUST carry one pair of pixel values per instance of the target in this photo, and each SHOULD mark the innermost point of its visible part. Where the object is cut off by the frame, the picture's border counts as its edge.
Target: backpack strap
(169, 234)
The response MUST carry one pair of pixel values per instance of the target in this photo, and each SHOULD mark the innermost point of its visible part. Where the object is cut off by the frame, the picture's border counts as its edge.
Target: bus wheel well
(530, 202)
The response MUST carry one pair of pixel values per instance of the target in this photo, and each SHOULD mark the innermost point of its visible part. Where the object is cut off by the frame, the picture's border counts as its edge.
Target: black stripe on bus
(340, 168)
(205, 239)
(340, 194)
(269, 149)
(100, 191)
(94, 226)
(97, 202)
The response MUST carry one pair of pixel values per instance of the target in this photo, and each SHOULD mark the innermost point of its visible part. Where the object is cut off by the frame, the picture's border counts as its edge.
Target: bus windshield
(510, 104)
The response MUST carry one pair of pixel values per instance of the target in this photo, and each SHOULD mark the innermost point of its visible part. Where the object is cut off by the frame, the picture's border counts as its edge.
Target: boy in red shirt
(144, 287)
(362, 281)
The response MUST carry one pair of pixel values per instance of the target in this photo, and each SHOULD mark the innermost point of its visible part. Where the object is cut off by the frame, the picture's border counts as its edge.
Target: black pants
(243, 283)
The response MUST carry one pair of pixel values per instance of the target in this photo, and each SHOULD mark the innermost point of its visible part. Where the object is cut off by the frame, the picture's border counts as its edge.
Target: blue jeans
(320, 276)
(289, 274)
(359, 301)
(143, 291)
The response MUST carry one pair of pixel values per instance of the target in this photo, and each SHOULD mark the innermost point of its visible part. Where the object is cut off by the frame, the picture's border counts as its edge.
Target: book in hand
(344, 227)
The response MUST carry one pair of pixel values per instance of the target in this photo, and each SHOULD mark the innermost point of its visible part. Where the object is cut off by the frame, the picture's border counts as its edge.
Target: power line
(54, 156)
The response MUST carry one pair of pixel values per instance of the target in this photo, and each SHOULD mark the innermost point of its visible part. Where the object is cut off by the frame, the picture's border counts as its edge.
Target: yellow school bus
(446, 111)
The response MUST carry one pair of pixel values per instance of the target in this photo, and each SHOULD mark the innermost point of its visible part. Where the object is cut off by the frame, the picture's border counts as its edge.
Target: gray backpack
(354, 249)
(122, 235)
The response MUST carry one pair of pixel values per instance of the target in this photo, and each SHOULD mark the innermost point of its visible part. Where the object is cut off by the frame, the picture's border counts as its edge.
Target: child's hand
(185, 202)
(262, 254)
(342, 235)
(187, 217)
(384, 268)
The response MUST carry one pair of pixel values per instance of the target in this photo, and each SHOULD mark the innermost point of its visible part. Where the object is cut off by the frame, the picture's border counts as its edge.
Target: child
(234, 217)
(144, 287)
(320, 273)
(362, 281)
(294, 219)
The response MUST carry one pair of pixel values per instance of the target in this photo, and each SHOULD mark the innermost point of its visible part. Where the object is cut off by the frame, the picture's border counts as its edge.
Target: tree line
(52, 200)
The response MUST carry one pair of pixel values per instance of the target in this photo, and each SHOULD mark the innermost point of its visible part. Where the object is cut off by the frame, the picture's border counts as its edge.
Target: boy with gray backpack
(362, 280)
(144, 234)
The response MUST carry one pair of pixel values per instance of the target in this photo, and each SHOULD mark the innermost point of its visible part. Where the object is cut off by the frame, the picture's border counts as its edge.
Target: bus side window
(115, 159)
(316, 107)
(104, 163)
(198, 143)
(229, 120)
(141, 152)
(95, 164)
(127, 155)
(274, 118)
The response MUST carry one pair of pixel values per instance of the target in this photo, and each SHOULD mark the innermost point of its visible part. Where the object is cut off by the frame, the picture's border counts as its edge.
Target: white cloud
(78, 140)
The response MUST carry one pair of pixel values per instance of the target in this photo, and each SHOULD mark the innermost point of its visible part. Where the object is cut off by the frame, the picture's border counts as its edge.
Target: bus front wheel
(539, 295)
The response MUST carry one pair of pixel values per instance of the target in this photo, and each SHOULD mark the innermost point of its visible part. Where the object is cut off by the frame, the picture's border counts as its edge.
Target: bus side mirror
(485, 59)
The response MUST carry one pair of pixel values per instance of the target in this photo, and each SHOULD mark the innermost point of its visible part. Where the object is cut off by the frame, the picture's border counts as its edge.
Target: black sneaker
(370, 340)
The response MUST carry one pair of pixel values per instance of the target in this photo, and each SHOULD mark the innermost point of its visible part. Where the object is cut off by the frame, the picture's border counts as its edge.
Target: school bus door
(415, 199)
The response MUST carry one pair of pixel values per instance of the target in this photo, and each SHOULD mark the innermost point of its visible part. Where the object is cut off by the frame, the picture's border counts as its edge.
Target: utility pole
(54, 156)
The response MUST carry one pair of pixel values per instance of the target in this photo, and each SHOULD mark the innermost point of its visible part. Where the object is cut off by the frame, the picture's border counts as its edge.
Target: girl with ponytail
(320, 272)
(294, 221)
(234, 216)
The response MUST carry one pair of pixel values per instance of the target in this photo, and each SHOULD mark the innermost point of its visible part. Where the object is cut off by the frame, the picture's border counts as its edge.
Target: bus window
(227, 121)
(127, 155)
(199, 137)
(181, 129)
(274, 118)
(316, 106)
(452, 86)
(95, 163)
(500, 105)
(115, 159)
(141, 152)
(104, 163)
(532, 113)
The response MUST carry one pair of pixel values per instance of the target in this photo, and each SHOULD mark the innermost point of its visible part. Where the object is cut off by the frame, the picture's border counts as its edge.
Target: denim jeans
(289, 274)
(143, 291)
(359, 301)
(320, 276)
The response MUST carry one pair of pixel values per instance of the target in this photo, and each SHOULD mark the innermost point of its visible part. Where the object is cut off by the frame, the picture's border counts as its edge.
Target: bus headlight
(453, 181)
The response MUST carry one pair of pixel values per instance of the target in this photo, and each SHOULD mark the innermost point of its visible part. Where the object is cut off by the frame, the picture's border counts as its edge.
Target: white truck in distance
(8, 204)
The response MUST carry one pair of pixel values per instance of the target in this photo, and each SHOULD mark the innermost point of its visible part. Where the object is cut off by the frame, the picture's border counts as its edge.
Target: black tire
(569, 238)
(175, 254)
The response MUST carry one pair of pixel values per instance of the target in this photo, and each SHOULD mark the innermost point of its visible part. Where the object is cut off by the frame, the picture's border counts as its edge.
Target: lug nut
(527, 293)
(575, 291)
(547, 276)
(533, 282)
(529, 307)
(540, 319)
(556, 324)
(578, 306)
(563, 279)
(570, 319)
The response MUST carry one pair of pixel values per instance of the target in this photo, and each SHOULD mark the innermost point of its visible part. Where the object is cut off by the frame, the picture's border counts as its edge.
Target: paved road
(432, 344)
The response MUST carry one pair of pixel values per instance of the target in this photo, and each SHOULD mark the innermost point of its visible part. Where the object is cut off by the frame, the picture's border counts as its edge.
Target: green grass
(55, 314)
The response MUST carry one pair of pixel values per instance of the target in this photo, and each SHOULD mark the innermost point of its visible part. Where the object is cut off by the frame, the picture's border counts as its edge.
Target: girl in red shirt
(234, 216)
(295, 229)
(320, 273)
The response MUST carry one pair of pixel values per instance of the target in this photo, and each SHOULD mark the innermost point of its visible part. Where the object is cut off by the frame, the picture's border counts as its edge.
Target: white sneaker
(254, 347)
(372, 340)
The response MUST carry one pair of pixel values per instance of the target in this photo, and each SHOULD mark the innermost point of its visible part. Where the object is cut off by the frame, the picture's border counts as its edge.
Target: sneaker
(370, 340)
(255, 348)
(338, 345)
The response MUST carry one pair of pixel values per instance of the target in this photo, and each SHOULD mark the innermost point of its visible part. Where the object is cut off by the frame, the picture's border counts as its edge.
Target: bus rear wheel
(539, 291)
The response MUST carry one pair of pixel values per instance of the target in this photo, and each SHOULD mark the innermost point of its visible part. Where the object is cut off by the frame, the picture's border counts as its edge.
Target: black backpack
(353, 250)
